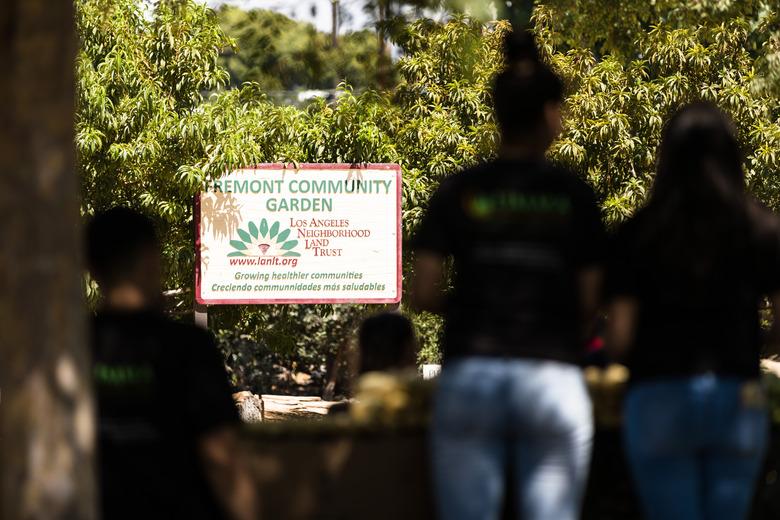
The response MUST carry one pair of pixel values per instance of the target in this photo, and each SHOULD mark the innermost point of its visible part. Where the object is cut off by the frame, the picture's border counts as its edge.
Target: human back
(519, 231)
(164, 410)
(705, 320)
(699, 257)
(687, 276)
(159, 389)
(526, 241)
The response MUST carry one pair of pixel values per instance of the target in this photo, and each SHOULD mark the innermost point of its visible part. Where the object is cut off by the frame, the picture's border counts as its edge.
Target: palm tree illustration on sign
(264, 240)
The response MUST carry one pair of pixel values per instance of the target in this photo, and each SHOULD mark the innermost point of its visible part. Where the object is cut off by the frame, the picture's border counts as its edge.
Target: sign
(318, 233)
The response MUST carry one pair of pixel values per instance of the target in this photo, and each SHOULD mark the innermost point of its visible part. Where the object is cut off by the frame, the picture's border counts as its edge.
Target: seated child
(387, 345)
(387, 342)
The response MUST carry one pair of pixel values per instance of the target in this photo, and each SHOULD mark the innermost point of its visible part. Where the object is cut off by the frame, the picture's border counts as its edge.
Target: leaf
(253, 229)
(274, 230)
(236, 253)
(283, 236)
(244, 235)
(238, 245)
(289, 244)
(263, 227)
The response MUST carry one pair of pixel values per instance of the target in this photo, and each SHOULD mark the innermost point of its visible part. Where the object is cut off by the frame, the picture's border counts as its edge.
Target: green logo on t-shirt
(123, 375)
(486, 205)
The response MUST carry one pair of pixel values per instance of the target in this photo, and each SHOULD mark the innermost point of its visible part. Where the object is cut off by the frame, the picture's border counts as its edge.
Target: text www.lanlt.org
(273, 261)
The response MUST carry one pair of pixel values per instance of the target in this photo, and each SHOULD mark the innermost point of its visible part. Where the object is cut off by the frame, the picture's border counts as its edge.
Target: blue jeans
(695, 446)
(492, 413)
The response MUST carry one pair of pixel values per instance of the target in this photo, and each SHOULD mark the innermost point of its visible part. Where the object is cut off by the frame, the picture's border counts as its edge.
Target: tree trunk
(46, 416)
(384, 61)
(334, 4)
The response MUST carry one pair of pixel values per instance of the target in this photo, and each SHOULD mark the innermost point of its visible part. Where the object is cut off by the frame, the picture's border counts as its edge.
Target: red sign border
(317, 301)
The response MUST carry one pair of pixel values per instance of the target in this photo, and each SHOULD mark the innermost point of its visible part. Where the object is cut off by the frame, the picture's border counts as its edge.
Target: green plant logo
(264, 240)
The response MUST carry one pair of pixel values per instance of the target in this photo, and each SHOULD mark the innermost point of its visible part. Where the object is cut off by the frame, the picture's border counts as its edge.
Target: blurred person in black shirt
(526, 239)
(165, 413)
(687, 275)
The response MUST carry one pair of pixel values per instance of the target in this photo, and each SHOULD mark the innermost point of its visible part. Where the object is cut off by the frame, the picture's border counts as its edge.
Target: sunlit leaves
(617, 103)
(155, 120)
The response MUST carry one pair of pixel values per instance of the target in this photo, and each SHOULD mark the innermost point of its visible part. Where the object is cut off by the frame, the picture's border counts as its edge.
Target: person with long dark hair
(526, 239)
(688, 274)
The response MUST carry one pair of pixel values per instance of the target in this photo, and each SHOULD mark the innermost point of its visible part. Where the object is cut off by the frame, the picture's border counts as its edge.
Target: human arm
(621, 326)
(590, 282)
(590, 251)
(215, 425)
(622, 287)
(432, 244)
(225, 468)
(427, 283)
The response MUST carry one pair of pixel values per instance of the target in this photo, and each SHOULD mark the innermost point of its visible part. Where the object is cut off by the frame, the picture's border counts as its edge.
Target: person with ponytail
(526, 241)
(687, 275)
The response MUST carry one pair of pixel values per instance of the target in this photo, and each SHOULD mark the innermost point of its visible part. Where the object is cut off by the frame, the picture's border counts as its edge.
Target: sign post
(315, 234)
(201, 315)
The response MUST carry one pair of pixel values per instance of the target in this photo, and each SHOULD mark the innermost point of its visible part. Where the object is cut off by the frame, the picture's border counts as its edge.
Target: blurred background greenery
(282, 55)
(172, 94)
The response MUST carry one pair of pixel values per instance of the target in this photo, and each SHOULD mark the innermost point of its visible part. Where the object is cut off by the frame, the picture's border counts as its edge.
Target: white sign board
(315, 233)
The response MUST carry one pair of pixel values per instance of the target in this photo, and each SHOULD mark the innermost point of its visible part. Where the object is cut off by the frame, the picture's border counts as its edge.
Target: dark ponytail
(525, 86)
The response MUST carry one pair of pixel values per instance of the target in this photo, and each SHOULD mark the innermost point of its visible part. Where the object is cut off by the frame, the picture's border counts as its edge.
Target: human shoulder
(764, 220)
(192, 335)
(626, 233)
(464, 177)
(139, 322)
(193, 346)
(569, 180)
(450, 190)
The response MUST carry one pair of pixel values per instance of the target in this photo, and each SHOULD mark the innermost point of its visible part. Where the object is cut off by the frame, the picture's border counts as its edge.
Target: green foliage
(250, 365)
(155, 121)
(615, 28)
(429, 332)
(445, 121)
(140, 125)
(769, 59)
(263, 349)
(616, 105)
(772, 384)
(279, 53)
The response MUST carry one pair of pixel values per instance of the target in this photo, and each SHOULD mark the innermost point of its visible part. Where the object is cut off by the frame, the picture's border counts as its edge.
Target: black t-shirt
(160, 387)
(519, 232)
(701, 315)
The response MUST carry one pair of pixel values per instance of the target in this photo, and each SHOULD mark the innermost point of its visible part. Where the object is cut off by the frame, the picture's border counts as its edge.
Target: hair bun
(520, 46)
